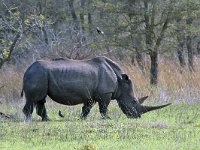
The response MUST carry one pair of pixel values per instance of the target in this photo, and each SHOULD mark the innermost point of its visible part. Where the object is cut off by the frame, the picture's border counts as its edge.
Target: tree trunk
(90, 22)
(189, 21)
(154, 68)
(82, 13)
(140, 60)
(89, 16)
(39, 4)
(133, 59)
(73, 13)
(180, 54)
(82, 21)
(198, 48)
(190, 53)
(1, 62)
(11, 49)
(45, 36)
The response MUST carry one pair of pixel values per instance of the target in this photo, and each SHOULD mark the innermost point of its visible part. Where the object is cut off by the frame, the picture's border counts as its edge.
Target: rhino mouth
(132, 113)
(129, 112)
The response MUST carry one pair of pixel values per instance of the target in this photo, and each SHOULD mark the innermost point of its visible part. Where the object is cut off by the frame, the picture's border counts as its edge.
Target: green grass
(174, 127)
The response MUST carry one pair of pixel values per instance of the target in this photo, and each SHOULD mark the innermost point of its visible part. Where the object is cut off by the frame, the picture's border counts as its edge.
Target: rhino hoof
(83, 117)
(46, 119)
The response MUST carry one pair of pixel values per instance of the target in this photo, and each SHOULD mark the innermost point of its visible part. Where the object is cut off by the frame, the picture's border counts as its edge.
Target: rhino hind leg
(86, 109)
(28, 110)
(104, 101)
(41, 110)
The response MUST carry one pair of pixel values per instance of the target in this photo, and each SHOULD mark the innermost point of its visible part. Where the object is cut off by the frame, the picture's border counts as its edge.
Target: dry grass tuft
(11, 80)
(175, 84)
(160, 125)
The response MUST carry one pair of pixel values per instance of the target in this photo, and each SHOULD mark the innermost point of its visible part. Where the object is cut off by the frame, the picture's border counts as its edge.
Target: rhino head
(129, 104)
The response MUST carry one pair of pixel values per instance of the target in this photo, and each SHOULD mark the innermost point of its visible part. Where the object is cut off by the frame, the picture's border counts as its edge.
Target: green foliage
(5, 53)
(27, 22)
(132, 26)
(93, 45)
(41, 17)
(122, 21)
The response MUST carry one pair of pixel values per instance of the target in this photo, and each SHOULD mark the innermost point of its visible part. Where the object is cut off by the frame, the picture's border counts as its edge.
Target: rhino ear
(125, 77)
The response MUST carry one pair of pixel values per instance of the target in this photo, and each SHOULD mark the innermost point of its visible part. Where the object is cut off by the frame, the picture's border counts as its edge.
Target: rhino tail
(22, 93)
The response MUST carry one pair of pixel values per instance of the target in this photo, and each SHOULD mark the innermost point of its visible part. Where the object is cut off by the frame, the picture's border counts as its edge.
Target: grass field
(174, 127)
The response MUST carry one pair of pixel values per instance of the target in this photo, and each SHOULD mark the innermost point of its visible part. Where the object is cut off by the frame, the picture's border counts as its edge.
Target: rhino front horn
(145, 109)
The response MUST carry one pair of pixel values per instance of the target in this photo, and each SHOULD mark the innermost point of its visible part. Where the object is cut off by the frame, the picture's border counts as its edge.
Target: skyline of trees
(133, 29)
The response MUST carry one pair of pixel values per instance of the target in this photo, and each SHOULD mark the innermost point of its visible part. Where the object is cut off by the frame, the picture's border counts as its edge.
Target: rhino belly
(67, 98)
(70, 94)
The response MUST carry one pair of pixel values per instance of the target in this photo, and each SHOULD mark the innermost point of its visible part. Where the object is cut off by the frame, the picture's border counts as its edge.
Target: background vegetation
(134, 30)
(157, 43)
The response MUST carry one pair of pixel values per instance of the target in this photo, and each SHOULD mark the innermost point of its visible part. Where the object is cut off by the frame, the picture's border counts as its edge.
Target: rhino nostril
(136, 113)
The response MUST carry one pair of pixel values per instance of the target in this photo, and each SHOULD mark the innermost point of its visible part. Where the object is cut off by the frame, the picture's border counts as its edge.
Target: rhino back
(115, 67)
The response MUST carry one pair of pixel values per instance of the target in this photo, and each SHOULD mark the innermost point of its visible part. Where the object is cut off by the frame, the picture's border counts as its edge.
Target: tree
(134, 29)
(13, 25)
(186, 30)
(148, 20)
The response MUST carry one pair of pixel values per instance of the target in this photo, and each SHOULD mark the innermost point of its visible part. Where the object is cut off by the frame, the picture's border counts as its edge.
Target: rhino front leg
(103, 105)
(86, 109)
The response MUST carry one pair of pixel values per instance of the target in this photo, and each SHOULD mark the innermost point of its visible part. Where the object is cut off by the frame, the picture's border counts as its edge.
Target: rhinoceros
(72, 82)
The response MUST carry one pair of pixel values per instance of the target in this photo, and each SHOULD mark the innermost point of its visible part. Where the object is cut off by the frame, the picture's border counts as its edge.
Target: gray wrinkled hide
(71, 82)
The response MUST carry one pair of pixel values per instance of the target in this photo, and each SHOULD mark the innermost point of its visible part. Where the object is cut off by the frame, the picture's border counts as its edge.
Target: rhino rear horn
(145, 109)
(142, 99)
